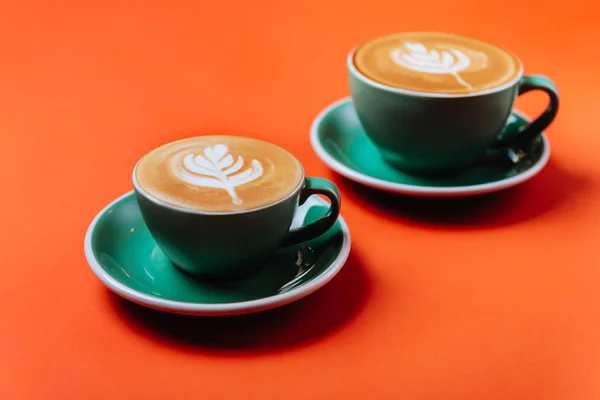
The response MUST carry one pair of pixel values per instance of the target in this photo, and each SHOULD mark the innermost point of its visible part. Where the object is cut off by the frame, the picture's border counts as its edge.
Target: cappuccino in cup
(435, 102)
(219, 206)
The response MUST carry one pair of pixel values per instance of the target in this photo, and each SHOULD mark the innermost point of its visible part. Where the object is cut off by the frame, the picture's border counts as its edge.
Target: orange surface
(438, 300)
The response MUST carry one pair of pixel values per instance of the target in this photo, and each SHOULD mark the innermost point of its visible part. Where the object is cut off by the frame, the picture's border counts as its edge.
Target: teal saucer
(123, 255)
(340, 141)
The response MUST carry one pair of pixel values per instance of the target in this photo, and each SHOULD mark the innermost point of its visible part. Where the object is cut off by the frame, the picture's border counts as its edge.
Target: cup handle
(527, 133)
(322, 225)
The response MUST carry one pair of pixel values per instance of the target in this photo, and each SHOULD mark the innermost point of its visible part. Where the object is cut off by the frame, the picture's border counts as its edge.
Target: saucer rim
(212, 309)
(422, 191)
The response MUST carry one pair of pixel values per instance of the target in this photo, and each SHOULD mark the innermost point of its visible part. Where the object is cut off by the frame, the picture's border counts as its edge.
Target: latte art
(436, 62)
(417, 57)
(218, 173)
(217, 170)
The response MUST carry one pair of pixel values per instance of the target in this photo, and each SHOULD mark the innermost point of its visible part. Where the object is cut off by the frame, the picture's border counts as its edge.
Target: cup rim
(415, 93)
(149, 197)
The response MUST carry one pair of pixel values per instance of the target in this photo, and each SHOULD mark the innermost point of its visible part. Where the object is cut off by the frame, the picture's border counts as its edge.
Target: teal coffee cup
(219, 206)
(435, 103)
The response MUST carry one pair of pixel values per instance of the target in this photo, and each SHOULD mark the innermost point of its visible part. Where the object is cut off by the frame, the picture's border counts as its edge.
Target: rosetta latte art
(217, 169)
(417, 57)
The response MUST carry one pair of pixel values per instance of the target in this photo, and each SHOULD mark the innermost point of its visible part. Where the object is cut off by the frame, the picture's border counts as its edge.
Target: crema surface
(218, 173)
(436, 62)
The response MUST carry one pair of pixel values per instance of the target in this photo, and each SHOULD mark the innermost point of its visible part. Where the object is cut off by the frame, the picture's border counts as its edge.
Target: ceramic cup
(433, 133)
(232, 244)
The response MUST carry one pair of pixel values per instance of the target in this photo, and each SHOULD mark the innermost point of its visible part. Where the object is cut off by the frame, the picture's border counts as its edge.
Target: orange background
(494, 298)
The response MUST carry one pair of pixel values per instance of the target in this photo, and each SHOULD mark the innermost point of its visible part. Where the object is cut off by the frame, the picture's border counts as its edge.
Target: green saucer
(126, 259)
(340, 141)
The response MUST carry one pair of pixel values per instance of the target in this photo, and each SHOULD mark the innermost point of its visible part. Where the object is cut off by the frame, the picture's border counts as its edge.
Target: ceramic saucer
(123, 255)
(340, 141)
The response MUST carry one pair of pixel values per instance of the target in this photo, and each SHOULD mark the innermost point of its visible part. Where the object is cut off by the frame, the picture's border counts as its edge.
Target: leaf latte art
(219, 173)
(217, 169)
(435, 62)
(417, 57)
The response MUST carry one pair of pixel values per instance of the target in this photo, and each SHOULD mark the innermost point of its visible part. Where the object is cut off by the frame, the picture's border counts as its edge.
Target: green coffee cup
(428, 132)
(231, 244)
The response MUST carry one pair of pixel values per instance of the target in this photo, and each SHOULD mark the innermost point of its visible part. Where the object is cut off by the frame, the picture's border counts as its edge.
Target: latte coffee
(436, 63)
(218, 173)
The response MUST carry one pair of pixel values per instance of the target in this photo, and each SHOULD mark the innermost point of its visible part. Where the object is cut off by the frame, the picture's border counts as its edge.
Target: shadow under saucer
(554, 188)
(300, 323)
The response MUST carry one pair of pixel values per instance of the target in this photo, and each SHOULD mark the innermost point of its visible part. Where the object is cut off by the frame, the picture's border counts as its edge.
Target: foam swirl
(217, 169)
(417, 57)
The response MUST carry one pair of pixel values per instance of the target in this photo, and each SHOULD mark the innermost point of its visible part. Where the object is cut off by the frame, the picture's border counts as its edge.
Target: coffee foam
(218, 173)
(436, 62)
